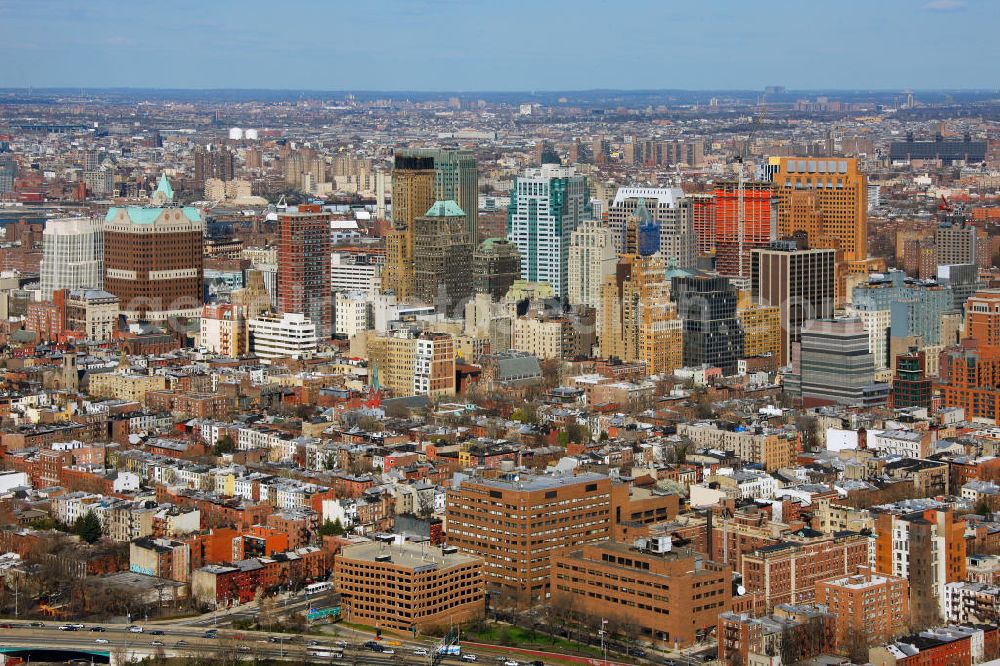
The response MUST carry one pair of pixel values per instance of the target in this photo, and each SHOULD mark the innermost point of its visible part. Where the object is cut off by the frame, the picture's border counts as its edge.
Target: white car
(135, 630)
(469, 657)
(420, 652)
(388, 651)
(510, 663)
(102, 641)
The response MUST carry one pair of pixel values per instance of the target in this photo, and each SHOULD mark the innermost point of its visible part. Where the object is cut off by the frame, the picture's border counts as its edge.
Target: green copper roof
(445, 209)
(488, 243)
(149, 215)
(164, 189)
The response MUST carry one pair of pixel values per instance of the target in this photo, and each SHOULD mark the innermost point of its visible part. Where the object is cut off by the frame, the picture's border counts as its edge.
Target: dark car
(98, 629)
(156, 632)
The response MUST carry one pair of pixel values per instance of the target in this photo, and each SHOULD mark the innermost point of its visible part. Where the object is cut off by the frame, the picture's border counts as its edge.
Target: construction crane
(741, 182)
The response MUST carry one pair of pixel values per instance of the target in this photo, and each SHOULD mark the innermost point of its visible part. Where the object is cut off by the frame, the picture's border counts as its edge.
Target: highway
(117, 640)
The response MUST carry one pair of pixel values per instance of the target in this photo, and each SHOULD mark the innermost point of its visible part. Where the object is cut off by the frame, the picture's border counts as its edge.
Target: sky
(498, 45)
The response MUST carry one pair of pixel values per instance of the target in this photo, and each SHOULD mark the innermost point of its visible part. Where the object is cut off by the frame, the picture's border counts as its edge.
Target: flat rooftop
(536, 481)
(419, 557)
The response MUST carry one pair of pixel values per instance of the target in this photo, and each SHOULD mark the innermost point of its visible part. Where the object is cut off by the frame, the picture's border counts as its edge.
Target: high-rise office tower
(412, 196)
(669, 209)
(495, 265)
(732, 253)
(712, 333)
(801, 283)
(442, 272)
(835, 365)
(642, 232)
(547, 205)
(826, 198)
(592, 258)
(456, 178)
(638, 321)
(915, 306)
(154, 257)
(304, 266)
(72, 255)
(213, 161)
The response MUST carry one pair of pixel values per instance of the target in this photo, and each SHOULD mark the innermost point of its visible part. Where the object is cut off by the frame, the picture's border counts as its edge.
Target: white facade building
(72, 255)
(290, 334)
(592, 257)
(351, 313)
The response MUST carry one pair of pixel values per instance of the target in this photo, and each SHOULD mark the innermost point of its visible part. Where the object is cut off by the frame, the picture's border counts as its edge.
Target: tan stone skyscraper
(828, 199)
(638, 320)
(412, 196)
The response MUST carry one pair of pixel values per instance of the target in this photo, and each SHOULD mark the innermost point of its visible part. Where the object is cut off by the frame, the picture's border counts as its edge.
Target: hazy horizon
(520, 46)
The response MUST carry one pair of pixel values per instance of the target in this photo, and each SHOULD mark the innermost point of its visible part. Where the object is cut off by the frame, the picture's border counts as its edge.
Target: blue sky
(500, 44)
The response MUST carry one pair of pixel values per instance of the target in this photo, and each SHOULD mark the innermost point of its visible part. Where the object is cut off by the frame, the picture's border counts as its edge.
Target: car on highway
(67, 627)
(135, 629)
(386, 650)
(180, 644)
(211, 633)
(420, 652)
(97, 630)
(156, 632)
(36, 624)
(102, 641)
(157, 643)
(373, 646)
(469, 657)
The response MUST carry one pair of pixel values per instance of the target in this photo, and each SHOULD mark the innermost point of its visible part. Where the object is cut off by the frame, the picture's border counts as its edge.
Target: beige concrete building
(638, 321)
(93, 312)
(592, 258)
(125, 386)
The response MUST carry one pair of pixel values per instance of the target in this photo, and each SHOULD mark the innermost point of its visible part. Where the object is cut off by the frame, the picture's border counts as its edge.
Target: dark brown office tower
(153, 257)
(213, 162)
(495, 265)
(441, 269)
(304, 266)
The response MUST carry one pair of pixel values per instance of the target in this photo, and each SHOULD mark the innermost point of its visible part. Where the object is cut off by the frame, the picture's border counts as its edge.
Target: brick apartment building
(787, 572)
(868, 607)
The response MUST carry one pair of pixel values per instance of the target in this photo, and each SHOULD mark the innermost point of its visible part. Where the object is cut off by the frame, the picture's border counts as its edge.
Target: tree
(577, 433)
(331, 528)
(397, 410)
(551, 372)
(223, 445)
(808, 427)
(88, 527)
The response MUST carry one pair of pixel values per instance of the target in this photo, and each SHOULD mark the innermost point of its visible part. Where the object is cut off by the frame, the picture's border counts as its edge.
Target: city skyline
(465, 47)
